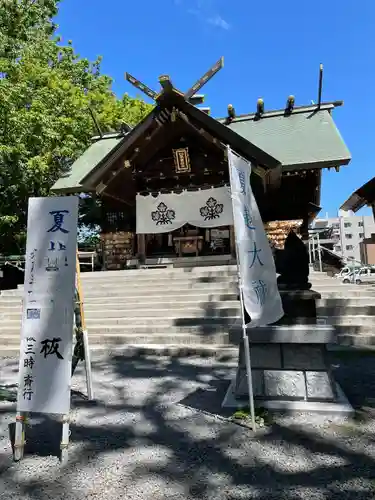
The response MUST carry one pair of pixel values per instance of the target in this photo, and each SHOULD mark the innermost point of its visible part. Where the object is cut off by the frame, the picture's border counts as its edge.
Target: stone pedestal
(290, 370)
(294, 372)
(299, 307)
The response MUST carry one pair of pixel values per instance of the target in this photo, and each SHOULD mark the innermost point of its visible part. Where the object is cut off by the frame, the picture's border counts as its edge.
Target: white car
(365, 275)
(345, 271)
(349, 278)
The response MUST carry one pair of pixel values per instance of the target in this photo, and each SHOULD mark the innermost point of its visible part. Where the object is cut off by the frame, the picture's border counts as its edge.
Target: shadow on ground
(157, 431)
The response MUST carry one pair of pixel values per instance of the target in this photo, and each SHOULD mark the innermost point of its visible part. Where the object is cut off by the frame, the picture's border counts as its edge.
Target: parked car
(345, 271)
(349, 278)
(365, 275)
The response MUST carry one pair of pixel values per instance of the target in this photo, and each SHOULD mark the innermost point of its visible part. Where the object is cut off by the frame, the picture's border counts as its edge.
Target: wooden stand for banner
(19, 438)
(64, 443)
(86, 350)
(21, 417)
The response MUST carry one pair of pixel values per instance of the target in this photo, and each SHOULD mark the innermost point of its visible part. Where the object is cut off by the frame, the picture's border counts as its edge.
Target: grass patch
(243, 415)
(8, 394)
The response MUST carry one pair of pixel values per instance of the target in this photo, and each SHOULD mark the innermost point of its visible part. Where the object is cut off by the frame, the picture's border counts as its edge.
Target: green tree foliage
(45, 92)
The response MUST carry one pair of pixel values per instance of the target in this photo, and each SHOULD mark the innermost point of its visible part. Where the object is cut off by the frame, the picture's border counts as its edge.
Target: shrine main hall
(163, 184)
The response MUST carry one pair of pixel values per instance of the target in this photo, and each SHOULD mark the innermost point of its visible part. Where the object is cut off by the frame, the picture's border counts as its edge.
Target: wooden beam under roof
(116, 198)
(200, 131)
(257, 169)
(158, 139)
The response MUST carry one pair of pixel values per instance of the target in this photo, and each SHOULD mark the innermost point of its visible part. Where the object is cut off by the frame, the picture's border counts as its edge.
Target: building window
(347, 224)
(349, 247)
(361, 235)
(360, 224)
(348, 236)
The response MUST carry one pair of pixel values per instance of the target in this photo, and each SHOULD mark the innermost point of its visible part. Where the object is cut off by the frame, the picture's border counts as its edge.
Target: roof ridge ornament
(320, 88)
(167, 86)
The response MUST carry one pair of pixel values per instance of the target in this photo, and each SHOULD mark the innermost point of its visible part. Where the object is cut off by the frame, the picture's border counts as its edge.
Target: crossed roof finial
(167, 85)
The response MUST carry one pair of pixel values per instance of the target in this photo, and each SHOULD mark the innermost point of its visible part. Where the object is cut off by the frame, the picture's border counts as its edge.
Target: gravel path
(155, 433)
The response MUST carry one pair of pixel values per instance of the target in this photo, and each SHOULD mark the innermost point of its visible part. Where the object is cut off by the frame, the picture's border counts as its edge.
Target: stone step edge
(105, 281)
(347, 316)
(159, 284)
(333, 320)
(207, 281)
(179, 312)
(211, 328)
(216, 350)
(167, 295)
(89, 307)
(333, 294)
(96, 337)
(198, 308)
(203, 298)
(151, 319)
(208, 329)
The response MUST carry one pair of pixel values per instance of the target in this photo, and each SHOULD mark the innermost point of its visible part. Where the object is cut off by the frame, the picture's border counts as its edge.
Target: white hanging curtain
(167, 212)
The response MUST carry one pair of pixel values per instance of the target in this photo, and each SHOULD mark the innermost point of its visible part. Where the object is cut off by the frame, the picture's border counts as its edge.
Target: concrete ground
(156, 431)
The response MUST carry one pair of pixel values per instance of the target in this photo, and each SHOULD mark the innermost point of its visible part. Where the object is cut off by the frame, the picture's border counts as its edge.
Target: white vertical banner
(48, 306)
(261, 296)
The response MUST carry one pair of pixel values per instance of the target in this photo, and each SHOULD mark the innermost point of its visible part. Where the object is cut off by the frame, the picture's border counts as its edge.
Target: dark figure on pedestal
(292, 264)
(298, 300)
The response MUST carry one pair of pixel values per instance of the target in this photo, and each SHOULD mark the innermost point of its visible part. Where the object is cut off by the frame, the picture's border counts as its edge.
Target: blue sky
(272, 49)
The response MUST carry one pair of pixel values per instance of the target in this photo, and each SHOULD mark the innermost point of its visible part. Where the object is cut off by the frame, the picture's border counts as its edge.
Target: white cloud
(219, 22)
(206, 11)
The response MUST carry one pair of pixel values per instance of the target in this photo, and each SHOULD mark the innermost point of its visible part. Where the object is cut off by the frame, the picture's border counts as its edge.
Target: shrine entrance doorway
(191, 241)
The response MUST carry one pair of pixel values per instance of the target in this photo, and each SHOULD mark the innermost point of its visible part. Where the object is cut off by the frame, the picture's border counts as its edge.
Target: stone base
(288, 376)
(339, 407)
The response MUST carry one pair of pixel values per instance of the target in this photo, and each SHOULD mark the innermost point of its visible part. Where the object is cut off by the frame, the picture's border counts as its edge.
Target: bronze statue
(292, 264)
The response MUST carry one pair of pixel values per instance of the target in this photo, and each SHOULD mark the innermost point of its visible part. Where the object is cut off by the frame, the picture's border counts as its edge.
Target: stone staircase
(191, 307)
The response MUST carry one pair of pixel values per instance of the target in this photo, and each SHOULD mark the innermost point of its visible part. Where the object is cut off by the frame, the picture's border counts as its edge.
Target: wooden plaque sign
(181, 160)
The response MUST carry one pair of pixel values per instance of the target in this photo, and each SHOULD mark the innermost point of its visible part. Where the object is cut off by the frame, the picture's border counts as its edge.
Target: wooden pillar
(141, 241)
(304, 229)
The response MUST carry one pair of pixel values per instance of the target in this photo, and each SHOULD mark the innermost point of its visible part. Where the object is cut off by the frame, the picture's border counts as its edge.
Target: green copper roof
(93, 155)
(307, 136)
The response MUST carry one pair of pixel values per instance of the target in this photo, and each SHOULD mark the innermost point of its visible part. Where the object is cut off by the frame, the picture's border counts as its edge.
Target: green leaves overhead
(45, 92)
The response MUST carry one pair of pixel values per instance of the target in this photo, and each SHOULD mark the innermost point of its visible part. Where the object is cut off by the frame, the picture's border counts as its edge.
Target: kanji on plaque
(28, 387)
(58, 221)
(51, 347)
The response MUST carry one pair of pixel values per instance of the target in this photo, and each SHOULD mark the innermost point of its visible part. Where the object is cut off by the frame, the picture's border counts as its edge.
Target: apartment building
(345, 233)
